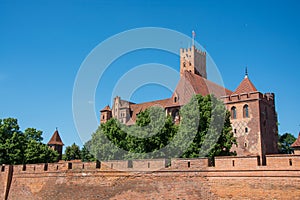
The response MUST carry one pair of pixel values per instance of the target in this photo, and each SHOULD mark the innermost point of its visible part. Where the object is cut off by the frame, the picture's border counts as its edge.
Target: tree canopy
(204, 130)
(284, 143)
(73, 152)
(17, 147)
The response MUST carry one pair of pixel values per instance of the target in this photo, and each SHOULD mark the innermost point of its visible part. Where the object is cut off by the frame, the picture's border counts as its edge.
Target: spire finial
(56, 128)
(246, 72)
(193, 38)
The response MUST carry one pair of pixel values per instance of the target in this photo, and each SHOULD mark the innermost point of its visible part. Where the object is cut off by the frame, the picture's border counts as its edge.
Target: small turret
(105, 114)
(56, 143)
(296, 145)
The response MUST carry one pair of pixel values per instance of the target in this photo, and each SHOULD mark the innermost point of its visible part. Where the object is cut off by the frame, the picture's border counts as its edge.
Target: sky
(44, 43)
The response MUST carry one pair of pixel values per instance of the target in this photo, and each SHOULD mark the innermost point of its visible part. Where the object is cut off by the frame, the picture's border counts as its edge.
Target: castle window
(246, 130)
(189, 164)
(175, 99)
(245, 144)
(234, 130)
(290, 162)
(2, 168)
(233, 163)
(148, 165)
(246, 111)
(233, 112)
(102, 116)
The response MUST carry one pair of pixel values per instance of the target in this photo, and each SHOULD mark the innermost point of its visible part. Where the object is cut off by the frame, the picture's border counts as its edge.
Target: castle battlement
(248, 96)
(189, 50)
(123, 178)
(229, 163)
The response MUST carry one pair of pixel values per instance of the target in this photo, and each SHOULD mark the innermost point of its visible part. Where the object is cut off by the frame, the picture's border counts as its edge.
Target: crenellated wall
(229, 178)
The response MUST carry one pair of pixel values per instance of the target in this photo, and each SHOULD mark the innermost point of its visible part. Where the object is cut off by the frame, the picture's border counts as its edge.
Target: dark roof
(55, 139)
(297, 142)
(246, 86)
(106, 108)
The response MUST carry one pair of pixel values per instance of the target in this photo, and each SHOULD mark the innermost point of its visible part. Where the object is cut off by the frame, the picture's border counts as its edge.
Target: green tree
(284, 143)
(205, 130)
(213, 135)
(72, 152)
(17, 147)
(86, 155)
(37, 152)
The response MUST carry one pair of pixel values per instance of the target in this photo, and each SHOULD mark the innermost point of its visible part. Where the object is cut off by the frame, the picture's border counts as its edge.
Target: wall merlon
(189, 164)
(237, 162)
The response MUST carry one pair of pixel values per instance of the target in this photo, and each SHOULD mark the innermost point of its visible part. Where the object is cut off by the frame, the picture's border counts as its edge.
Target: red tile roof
(137, 108)
(190, 84)
(297, 142)
(245, 86)
(55, 139)
(106, 108)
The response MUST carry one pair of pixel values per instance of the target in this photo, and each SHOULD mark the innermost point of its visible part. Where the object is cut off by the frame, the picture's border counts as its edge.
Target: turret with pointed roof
(56, 143)
(105, 114)
(253, 119)
(246, 86)
(296, 145)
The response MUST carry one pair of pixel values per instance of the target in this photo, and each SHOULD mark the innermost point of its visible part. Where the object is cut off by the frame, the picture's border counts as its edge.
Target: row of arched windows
(245, 112)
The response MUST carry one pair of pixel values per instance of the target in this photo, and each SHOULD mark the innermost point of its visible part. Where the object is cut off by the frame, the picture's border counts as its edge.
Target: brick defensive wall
(223, 178)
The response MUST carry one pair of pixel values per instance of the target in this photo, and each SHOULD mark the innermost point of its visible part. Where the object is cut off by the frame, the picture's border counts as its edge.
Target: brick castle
(253, 174)
(253, 114)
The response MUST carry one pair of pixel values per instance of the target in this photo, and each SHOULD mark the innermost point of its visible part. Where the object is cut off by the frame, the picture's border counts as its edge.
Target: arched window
(175, 99)
(246, 111)
(233, 112)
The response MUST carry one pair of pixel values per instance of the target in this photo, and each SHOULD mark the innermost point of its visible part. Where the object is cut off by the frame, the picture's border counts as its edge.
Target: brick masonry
(162, 179)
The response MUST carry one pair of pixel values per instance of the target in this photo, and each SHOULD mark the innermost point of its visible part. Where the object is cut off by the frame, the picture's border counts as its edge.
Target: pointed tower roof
(106, 108)
(55, 139)
(297, 142)
(245, 86)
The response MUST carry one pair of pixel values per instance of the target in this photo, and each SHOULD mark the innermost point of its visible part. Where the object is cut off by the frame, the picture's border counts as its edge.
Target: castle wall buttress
(268, 124)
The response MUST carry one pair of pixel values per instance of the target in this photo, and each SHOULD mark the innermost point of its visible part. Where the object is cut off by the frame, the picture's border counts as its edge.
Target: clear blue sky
(43, 43)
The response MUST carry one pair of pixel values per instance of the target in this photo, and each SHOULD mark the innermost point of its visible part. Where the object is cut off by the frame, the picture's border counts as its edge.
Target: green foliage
(284, 143)
(85, 155)
(204, 130)
(72, 152)
(37, 152)
(17, 147)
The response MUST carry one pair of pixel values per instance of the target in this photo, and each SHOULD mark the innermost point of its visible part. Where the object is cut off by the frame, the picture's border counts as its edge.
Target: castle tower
(296, 146)
(254, 120)
(105, 114)
(56, 144)
(193, 60)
